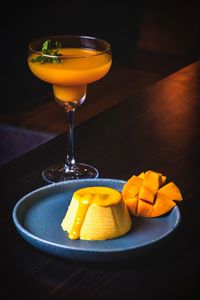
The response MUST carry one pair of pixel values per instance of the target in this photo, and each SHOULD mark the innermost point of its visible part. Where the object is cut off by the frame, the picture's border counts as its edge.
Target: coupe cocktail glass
(69, 63)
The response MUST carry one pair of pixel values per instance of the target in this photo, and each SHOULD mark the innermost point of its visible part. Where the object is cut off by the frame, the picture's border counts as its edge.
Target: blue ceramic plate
(38, 215)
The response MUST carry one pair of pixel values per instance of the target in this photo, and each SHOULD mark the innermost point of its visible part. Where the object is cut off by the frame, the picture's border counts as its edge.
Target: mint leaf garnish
(54, 57)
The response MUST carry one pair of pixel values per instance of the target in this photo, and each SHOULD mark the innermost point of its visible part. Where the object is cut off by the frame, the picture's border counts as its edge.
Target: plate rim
(27, 233)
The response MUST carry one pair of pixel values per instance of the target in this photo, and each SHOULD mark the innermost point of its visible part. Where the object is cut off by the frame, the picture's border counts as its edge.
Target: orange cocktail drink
(70, 77)
(69, 64)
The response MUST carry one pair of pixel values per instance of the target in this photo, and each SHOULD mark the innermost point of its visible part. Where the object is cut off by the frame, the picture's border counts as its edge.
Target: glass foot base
(60, 172)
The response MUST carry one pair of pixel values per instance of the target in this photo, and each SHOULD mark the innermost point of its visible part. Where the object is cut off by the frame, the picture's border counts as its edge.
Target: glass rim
(49, 37)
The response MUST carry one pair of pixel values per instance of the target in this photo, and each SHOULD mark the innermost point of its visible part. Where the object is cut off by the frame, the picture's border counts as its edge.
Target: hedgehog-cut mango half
(148, 195)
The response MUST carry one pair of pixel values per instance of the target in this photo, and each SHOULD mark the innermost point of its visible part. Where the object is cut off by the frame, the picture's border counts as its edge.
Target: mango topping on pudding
(96, 213)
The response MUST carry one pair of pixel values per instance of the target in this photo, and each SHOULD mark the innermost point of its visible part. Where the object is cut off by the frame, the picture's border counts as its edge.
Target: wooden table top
(158, 130)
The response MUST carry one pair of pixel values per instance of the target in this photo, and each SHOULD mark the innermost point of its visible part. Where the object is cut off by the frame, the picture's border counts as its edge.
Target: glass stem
(70, 161)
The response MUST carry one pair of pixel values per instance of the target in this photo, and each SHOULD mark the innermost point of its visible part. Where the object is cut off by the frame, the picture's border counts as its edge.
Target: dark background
(159, 27)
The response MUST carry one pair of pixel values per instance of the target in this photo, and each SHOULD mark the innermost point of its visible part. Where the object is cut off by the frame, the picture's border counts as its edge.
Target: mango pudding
(96, 213)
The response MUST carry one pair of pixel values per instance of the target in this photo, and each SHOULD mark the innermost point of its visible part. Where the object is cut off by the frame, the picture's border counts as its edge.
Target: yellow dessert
(96, 213)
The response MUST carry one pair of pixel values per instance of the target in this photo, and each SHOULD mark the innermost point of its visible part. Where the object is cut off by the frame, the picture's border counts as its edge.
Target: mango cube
(147, 194)
(172, 191)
